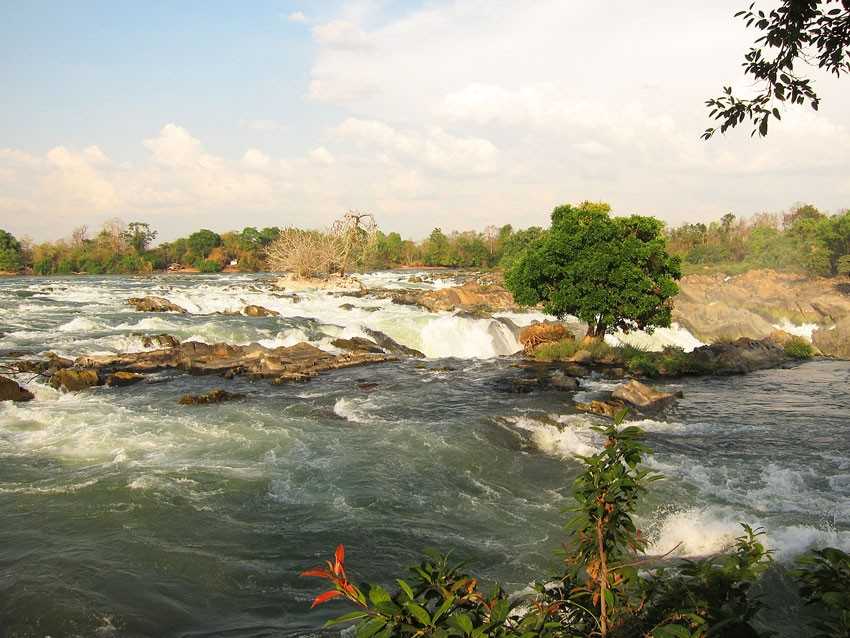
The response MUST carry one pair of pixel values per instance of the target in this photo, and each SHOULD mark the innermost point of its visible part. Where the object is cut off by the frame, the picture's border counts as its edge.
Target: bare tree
(305, 253)
(354, 232)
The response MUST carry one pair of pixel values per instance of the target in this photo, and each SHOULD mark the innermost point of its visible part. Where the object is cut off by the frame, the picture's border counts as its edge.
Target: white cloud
(321, 155)
(297, 16)
(262, 125)
(256, 160)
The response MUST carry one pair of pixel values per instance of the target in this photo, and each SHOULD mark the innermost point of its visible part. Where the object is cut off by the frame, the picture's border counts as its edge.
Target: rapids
(123, 513)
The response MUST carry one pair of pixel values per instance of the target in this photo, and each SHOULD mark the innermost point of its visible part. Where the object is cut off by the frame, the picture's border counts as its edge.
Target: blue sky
(443, 113)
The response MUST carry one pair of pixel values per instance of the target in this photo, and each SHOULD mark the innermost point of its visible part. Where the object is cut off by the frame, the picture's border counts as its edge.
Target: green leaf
(378, 595)
(671, 631)
(405, 588)
(418, 612)
(369, 629)
(354, 615)
(500, 610)
(462, 622)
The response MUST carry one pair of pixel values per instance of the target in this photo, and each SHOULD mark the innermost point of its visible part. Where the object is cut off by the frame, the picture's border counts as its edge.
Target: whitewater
(125, 513)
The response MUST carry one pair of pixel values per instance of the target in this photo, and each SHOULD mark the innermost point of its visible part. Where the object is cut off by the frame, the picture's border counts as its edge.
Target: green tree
(612, 273)
(139, 236)
(844, 265)
(10, 252)
(793, 33)
(202, 242)
(437, 249)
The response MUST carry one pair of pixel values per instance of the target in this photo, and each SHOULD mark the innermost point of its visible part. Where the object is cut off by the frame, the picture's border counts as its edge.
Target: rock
(717, 307)
(781, 337)
(736, 357)
(161, 341)
(155, 304)
(331, 283)
(476, 312)
(537, 333)
(472, 295)
(259, 311)
(367, 387)
(75, 379)
(11, 391)
(299, 362)
(391, 345)
(603, 408)
(122, 378)
(213, 396)
(834, 341)
(347, 306)
(357, 344)
(371, 308)
(562, 381)
(641, 396)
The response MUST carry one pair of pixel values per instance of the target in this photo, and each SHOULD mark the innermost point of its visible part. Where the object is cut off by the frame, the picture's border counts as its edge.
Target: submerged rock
(11, 391)
(259, 311)
(357, 344)
(75, 379)
(155, 304)
(213, 396)
(609, 409)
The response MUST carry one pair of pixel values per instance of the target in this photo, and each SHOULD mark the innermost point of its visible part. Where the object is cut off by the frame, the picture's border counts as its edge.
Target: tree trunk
(603, 582)
(595, 332)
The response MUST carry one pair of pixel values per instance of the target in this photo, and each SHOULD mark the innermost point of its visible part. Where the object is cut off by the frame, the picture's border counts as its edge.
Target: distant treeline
(119, 248)
(802, 240)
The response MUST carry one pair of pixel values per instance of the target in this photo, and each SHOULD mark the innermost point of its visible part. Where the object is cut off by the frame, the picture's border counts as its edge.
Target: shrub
(799, 348)
(824, 577)
(208, 265)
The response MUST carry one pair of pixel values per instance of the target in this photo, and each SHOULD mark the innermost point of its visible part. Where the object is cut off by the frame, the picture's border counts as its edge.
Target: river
(123, 513)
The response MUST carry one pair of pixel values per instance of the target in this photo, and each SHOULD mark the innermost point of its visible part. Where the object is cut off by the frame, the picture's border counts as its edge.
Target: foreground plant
(609, 587)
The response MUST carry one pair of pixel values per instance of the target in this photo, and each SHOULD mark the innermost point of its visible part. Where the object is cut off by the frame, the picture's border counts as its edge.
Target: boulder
(11, 391)
(331, 283)
(537, 333)
(638, 395)
(155, 304)
(213, 396)
(347, 306)
(259, 311)
(736, 357)
(75, 379)
(391, 345)
(122, 378)
(834, 341)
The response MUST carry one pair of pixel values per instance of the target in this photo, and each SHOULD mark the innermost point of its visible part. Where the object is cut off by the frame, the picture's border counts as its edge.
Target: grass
(556, 351)
(799, 348)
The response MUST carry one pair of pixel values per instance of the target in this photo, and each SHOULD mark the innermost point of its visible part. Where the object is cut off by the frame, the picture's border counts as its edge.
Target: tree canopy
(815, 32)
(10, 252)
(610, 272)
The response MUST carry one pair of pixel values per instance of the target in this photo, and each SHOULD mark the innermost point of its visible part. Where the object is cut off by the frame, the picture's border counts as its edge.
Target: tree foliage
(794, 33)
(612, 273)
(10, 252)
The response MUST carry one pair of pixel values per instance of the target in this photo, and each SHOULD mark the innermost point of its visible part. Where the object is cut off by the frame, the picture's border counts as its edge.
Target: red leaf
(318, 572)
(323, 598)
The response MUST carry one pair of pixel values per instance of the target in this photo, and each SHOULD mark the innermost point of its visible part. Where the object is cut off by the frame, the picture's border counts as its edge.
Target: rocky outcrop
(295, 363)
(76, 379)
(155, 304)
(716, 307)
(11, 391)
(213, 396)
(482, 296)
(259, 311)
(538, 333)
(356, 344)
(834, 341)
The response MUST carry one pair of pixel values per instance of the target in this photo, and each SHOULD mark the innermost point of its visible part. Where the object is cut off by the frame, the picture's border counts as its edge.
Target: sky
(445, 113)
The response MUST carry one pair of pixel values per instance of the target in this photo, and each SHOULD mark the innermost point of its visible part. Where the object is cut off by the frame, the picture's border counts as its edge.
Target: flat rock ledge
(632, 395)
(295, 363)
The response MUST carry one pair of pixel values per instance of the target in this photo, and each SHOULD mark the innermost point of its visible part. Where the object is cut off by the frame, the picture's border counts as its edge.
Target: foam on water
(802, 330)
